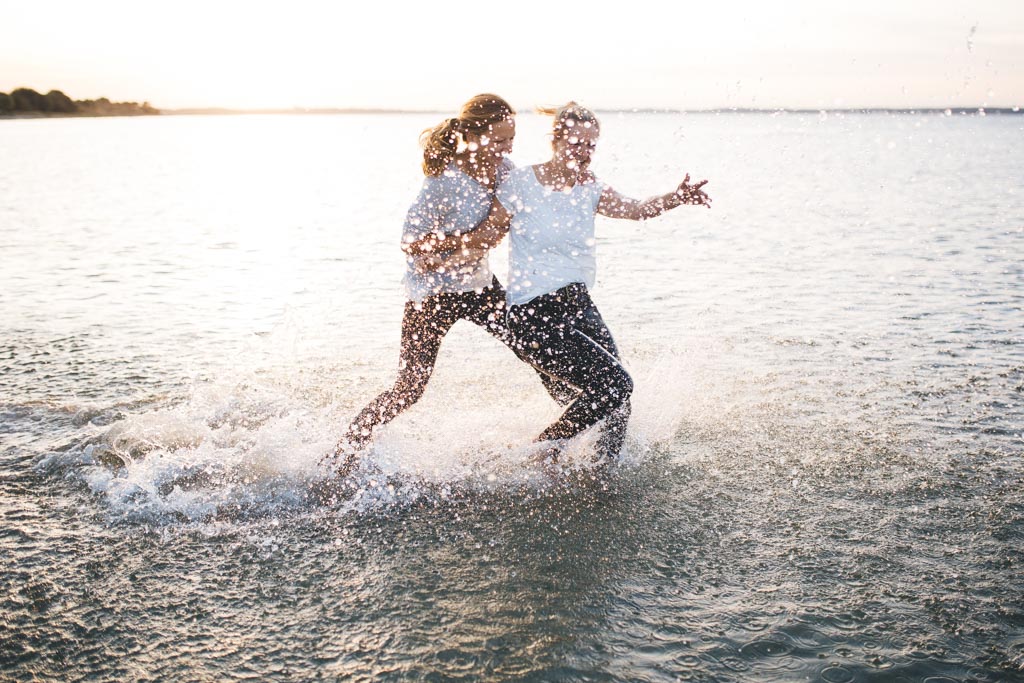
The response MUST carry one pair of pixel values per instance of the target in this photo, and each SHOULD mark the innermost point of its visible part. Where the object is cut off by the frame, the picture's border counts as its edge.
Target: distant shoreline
(628, 110)
(26, 103)
(221, 111)
(68, 115)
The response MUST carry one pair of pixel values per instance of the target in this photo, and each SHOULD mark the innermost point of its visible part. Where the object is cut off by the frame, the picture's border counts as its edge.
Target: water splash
(255, 446)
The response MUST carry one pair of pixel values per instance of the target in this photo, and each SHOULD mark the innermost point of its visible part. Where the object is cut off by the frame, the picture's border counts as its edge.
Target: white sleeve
(424, 216)
(508, 194)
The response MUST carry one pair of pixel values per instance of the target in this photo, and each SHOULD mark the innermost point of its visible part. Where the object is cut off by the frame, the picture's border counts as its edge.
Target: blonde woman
(552, 266)
(448, 277)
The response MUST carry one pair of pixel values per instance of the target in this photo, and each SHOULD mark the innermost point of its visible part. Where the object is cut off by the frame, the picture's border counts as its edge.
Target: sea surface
(823, 478)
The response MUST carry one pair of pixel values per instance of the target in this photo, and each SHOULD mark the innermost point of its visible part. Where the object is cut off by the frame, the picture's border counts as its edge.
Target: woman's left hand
(693, 194)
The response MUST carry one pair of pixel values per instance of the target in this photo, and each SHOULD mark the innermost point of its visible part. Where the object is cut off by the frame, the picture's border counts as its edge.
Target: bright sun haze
(798, 54)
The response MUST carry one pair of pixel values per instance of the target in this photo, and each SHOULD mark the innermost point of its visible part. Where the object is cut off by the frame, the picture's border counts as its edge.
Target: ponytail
(476, 116)
(439, 146)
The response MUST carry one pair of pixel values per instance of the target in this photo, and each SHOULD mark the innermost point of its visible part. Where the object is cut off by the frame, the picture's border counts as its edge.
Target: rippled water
(823, 478)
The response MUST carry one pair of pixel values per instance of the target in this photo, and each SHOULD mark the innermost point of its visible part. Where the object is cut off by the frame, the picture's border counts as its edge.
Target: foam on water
(250, 445)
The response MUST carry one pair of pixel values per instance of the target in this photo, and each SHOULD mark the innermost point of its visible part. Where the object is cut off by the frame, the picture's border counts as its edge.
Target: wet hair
(567, 117)
(442, 141)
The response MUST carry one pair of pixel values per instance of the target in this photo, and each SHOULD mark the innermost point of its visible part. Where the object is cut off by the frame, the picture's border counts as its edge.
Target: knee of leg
(615, 383)
(410, 391)
(621, 383)
(415, 392)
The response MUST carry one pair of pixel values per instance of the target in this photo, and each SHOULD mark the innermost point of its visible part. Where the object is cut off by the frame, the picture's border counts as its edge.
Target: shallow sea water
(823, 475)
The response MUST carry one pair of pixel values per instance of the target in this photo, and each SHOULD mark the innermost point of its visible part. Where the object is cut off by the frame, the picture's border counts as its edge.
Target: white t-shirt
(551, 239)
(448, 203)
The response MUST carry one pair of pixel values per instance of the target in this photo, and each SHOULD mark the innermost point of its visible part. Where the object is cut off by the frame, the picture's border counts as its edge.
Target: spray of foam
(255, 445)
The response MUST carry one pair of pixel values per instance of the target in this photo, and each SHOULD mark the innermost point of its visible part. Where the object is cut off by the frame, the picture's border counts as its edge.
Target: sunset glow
(305, 54)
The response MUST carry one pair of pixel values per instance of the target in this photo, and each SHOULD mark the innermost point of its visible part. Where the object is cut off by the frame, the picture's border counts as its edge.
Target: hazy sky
(433, 55)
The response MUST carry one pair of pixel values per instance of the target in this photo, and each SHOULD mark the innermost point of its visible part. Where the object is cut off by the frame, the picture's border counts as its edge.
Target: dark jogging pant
(424, 325)
(563, 335)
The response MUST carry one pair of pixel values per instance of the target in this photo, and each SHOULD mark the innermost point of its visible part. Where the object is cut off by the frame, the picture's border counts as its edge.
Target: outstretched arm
(615, 205)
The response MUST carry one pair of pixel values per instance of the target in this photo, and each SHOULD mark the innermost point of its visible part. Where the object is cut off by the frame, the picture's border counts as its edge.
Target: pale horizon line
(372, 109)
(606, 110)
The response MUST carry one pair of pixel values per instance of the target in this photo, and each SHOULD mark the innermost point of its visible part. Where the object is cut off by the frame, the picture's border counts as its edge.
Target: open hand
(693, 194)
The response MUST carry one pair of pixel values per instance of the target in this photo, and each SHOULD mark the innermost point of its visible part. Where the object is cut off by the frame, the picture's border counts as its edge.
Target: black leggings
(424, 325)
(563, 335)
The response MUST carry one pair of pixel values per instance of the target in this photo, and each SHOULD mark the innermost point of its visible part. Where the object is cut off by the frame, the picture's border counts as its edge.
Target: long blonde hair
(568, 116)
(441, 142)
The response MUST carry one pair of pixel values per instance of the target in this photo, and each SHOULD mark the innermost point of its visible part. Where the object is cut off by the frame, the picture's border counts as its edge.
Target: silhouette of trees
(28, 100)
(57, 101)
(104, 107)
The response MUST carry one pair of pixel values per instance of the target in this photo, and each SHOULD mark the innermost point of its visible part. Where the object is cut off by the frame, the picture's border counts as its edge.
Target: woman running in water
(448, 277)
(552, 266)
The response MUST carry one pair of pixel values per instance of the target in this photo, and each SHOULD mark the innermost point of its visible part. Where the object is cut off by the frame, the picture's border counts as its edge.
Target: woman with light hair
(552, 266)
(448, 277)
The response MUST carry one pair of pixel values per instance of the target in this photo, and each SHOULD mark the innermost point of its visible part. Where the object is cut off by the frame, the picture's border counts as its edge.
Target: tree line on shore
(28, 101)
